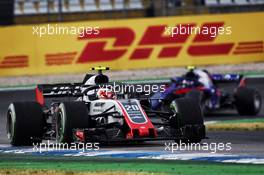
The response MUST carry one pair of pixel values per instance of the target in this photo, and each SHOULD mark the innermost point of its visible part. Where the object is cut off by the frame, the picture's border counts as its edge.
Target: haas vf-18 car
(86, 112)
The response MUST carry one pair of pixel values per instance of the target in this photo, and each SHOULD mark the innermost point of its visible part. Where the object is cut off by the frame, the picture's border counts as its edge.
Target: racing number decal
(131, 107)
(134, 112)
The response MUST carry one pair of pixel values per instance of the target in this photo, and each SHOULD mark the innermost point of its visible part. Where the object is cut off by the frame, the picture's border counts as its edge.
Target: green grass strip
(84, 164)
(257, 126)
(253, 120)
(254, 124)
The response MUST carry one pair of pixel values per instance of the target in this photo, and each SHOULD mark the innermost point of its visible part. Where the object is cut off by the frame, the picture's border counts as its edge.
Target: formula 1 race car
(89, 112)
(208, 89)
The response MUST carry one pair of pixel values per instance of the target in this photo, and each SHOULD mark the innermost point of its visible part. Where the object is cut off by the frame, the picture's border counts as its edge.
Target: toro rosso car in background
(88, 112)
(209, 90)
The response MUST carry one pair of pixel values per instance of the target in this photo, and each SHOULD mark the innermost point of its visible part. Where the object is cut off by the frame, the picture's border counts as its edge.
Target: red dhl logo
(15, 61)
(202, 44)
(124, 38)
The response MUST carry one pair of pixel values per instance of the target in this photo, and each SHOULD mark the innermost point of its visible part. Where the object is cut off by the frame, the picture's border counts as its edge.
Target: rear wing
(60, 90)
(46, 93)
(228, 82)
(226, 78)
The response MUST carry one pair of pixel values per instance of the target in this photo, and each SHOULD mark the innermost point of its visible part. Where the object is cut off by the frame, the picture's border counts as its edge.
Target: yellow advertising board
(131, 44)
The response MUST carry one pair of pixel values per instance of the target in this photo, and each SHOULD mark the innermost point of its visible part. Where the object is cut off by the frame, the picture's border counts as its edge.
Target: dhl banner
(131, 44)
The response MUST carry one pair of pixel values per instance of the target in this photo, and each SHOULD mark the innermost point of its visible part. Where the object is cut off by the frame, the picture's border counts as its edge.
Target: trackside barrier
(132, 44)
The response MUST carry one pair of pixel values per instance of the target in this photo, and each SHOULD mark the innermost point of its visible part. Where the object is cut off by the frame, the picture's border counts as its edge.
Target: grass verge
(237, 125)
(9, 171)
(11, 164)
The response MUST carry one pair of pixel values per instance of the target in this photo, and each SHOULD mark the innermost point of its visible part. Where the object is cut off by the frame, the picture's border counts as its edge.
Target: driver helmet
(191, 72)
(106, 93)
(190, 68)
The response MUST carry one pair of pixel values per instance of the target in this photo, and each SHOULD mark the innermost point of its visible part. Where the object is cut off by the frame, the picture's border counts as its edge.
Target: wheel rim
(9, 126)
(174, 106)
(203, 106)
(257, 102)
(59, 128)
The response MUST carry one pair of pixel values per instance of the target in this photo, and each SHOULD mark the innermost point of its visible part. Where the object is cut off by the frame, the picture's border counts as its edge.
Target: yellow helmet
(190, 67)
(100, 69)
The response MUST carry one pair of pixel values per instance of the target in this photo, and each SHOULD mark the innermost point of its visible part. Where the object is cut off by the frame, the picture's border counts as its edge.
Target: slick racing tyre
(247, 101)
(25, 123)
(189, 111)
(70, 115)
(198, 96)
(191, 119)
(195, 94)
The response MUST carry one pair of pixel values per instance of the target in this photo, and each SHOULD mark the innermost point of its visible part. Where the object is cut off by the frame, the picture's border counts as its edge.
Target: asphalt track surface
(243, 143)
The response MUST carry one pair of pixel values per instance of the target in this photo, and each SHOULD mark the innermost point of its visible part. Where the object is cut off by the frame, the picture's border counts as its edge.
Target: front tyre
(199, 97)
(25, 123)
(70, 115)
(191, 120)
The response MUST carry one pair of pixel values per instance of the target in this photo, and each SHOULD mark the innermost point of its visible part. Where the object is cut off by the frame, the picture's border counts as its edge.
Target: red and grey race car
(88, 112)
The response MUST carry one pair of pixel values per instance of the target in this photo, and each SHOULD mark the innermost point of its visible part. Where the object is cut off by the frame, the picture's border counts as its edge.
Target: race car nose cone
(143, 132)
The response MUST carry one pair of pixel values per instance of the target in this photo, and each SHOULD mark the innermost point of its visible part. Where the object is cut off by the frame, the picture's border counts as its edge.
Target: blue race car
(207, 89)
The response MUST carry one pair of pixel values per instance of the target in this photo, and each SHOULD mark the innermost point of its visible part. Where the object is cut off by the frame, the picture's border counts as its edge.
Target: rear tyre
(69, 116)
(190, 119)
(25, 123)
(247, 101)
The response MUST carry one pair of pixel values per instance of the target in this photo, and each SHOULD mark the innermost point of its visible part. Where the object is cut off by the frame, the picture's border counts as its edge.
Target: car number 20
(131, 107)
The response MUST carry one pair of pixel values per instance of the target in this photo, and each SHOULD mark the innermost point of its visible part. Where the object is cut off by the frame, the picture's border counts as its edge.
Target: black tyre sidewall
(189, 111)
(27, 123)
(73, 115)
(190, 115)
(199, 97)
(245, 101)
